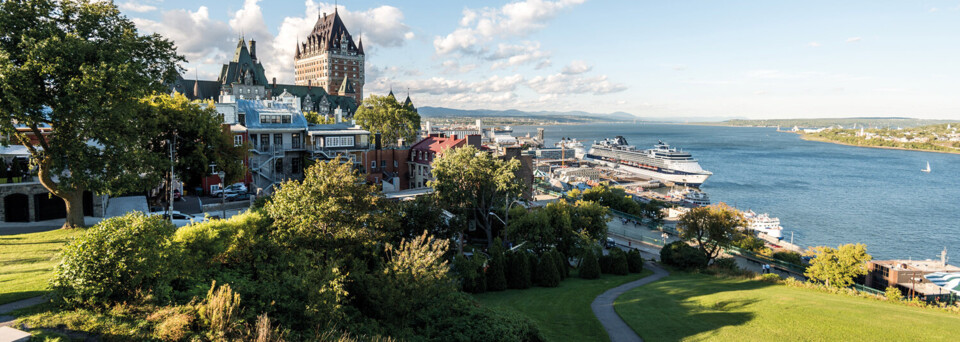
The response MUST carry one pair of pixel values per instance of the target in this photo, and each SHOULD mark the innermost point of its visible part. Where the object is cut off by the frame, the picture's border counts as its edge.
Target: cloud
(934, 9)
(452, 66)
(564, 84)
(508, 55)
(576, 68)
(136, 7)
(380, 27)
(813, 44)
(853, 40)
(516, 19)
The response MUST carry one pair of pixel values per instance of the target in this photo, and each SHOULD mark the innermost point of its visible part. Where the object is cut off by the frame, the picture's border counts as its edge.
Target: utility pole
(223, 196)
(170, 199)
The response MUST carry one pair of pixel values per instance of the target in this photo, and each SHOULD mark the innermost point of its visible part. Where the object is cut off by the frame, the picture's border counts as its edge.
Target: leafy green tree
(590, 219)
(518, 270)
(533, 228)
(634, 261)
(683, 256)
(712, 228)
(496, 277)
(618, 262)
(837, 267)
(80, 68)
(470, 183)
(423, 213)
(200, 138)
(590, 267)
(316, 119)
(384, 115)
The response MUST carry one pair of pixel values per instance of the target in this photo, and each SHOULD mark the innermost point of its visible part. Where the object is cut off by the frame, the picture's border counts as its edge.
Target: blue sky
(755, 59)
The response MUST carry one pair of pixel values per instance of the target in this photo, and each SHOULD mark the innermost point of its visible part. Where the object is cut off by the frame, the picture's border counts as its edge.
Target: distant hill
(441, 112)
(881, 122)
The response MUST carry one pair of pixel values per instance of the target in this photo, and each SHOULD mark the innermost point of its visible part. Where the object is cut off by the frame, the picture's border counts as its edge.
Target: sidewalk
(14, 228)
(5, 320)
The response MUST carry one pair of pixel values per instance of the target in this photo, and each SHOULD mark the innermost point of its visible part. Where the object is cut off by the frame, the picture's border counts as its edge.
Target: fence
(798, 269)
(868, 290)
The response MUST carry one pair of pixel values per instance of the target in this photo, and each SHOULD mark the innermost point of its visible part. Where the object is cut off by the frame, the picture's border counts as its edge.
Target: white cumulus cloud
(577, 67)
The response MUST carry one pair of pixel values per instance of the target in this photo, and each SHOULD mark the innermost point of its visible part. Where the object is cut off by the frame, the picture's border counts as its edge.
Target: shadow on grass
(48, 319)
(683, 305)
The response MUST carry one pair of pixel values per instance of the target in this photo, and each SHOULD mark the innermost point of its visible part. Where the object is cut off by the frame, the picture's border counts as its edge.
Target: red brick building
(330, 59)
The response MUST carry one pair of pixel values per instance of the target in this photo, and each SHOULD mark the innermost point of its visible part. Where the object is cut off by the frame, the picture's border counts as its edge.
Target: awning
(949, 281)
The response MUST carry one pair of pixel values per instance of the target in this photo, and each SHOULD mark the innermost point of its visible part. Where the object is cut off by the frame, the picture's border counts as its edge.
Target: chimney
(399, 142)
(274, 82)
(339, 113)
(309, 84)
(453, 136)
(473, 140)
(253, 50)
(376, 141)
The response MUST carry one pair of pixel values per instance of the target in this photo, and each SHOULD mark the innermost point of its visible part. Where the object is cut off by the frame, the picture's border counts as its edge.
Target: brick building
(330, 59)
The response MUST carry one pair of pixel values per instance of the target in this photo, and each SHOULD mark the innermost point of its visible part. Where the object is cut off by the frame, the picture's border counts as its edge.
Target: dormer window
(276, 118)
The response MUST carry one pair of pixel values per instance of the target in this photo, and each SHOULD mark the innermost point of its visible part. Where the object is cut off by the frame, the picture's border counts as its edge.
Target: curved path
(602, 306)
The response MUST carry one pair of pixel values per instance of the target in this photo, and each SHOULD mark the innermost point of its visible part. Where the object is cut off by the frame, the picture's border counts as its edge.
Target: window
(395, 164)
(339, 141)
(295, 165)
(383, 164)
(296, 141)
(373, 165)
(237, 140)
(278, 140)
(278, 167)
(275, 118)
(253, 138)
(264, 142)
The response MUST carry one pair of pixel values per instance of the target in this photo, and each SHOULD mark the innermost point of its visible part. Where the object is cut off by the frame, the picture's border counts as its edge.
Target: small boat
(927, 170)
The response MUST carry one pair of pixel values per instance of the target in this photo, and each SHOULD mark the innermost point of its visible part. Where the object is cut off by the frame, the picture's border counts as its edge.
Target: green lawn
(562, 313)
(27, 261)
(698, 307)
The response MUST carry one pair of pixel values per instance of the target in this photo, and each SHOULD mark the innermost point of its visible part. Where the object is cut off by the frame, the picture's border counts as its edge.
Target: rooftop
(918, 265)
(438, 143)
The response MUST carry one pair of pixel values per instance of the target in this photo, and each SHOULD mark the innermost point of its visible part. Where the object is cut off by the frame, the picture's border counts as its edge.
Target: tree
(712, 228)
(547, 267)
(590, 267)
(315, 118)
(384, 115)
(470, 183)
(423, 213)
(837, 267)
(80, 68)
(496, 277)
(534, 228)
(200, 138)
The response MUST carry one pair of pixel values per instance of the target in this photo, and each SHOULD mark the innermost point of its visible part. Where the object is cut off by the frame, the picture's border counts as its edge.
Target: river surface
(825, 194)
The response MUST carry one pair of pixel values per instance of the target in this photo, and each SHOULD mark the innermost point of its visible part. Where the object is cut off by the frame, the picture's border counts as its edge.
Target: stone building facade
(330, 59)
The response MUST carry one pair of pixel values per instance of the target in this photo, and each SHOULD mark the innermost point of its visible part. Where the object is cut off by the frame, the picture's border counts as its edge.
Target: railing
(868, 290)
(798, 269)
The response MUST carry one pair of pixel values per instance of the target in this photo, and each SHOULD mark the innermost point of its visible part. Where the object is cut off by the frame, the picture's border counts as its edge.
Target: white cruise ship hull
(775, 233)
(693, 180)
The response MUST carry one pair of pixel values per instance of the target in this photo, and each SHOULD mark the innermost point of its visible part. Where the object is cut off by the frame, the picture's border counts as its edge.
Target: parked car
(609, 243)
(243, 196)
(179, 219)
(232, 189)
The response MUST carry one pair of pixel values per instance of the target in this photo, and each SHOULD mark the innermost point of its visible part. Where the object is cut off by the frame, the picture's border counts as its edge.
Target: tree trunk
(72, 198)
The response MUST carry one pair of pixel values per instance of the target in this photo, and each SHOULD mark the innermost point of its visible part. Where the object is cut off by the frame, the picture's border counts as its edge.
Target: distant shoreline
(808, 137)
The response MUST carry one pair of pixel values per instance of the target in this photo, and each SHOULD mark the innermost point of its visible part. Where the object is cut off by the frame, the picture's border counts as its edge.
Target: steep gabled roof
(346, 87)
(242, 61)
(329, 33)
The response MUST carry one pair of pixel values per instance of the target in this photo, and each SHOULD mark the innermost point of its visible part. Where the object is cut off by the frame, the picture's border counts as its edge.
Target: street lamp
(223, 196)
(498, 217)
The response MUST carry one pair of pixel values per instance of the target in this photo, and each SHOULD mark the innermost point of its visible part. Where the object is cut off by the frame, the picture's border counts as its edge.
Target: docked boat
(662, 162)
(689, 198)
(503, 130)
(763, 223)
(927, 170)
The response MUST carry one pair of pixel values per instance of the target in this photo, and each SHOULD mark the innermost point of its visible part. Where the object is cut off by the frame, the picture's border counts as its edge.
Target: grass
(27, 261)
(562, 313)
(695, 307)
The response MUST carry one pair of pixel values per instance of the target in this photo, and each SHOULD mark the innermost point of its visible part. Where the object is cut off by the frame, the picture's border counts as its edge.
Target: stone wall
(30, 190)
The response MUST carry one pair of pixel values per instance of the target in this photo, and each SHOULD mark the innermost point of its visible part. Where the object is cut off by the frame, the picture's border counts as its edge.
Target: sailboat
(927, 170)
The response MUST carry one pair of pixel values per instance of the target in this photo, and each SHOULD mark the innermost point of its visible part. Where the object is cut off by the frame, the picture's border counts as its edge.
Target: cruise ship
(662, 162)
(763, 223)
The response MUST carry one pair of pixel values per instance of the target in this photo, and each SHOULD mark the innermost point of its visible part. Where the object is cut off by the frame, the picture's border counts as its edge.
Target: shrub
(683, 256)
(549, 276)
(496, 279)
(220, 312)
(788, 256)
(606, 263)
(173, 323)
(518, 270)
(618, 262)
(894, 294)
(534, 263)
(121, 259)
(770, 278)
(562, 266)
(589, 267)
(470, 270)
(460, 318)
(634, 261)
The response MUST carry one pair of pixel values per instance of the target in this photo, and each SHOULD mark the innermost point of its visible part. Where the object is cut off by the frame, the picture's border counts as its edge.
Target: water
(826, 194)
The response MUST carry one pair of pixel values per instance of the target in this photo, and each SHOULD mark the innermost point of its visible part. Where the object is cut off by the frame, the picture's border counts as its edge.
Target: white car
(179, 219)
(233, 189)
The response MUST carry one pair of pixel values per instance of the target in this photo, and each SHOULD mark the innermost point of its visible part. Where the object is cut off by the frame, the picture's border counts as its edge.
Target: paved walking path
(602, 306)
(6, 320)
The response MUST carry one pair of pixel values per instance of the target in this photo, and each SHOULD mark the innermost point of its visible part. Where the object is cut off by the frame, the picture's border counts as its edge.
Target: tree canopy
(384, 115)
(712, 228)
(79, 68)
(839, 266)
(470, 183)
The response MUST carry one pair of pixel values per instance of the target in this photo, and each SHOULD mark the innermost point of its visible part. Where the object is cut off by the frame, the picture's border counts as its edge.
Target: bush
(460, 318)
(518, 270)
(634, 261)
(894, 294)
(788, 256)
(683, 256)
(470, 270)
(770, 278)
(589, 267)
(220, 312)
(606, 263)
(496, 279)
(549, 276)
(563, 267)
(618, 262)
(121, 259)
(534, 263)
